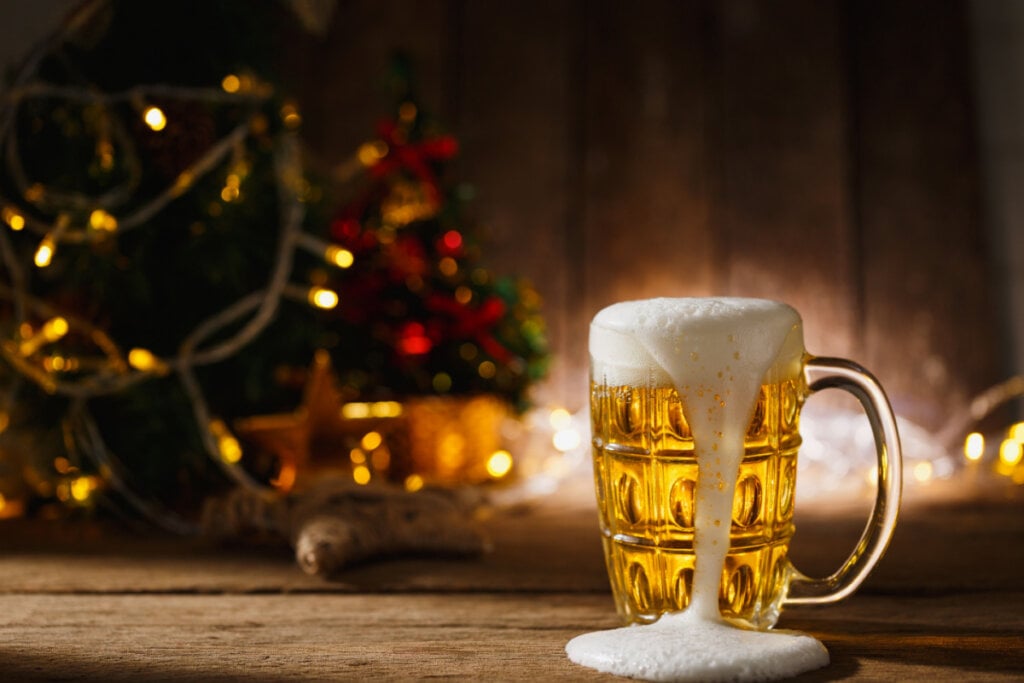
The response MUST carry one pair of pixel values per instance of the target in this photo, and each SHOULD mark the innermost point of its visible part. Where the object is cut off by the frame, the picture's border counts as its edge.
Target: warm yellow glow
(371, 152)
(154, 118)
(923, 471)
(1010, 452)
(5, 421)
(1016, 432)
(55, 328)
(357, 456)
(386, 409)
(499, 464)
(62, 464)
(355, 411)
(229, 193)
(566, 439)
(463, 294)
(182, 183)
(974, 446)
(371, 440)
(413, 482)
(228, 446)
(231, 83)
(13, 218)
(3, 502)
(361, 474)
(81, 487)
(44, 254)
(321, 297)
(448, 266)
(487, 369)
(290, 116)
(339, 256)
(560, 418)
(143, 359)
(101, 220)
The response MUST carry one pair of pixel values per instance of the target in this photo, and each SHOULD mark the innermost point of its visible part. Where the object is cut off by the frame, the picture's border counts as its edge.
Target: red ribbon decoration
(473, 323)
(414, 157)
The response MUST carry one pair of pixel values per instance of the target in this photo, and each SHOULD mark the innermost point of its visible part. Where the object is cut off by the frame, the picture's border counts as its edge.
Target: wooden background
(816, 151)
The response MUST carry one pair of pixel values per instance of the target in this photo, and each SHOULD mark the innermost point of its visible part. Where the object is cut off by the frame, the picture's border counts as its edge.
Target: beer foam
(716, 353)
(685, 647)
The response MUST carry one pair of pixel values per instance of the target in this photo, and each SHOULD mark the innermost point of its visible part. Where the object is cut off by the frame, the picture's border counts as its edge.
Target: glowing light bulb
(560, 418)
(1010, 452)
(227, 445)
(361, 474)
(974, 446)
(371, 440)
(231, 83)
(324, 298)
(81, 487)
(101, 220)
(44, 254)
(55, 328)
(923, 471)
(154, 118)
(13, 218)
(413, 482)
(355, 410)
(565, 440)
(487, 369)
(499, 464)
(448, 266)
(290, 116)
(144, 360)
(1016, 432)
(339, 256)
(371, 152)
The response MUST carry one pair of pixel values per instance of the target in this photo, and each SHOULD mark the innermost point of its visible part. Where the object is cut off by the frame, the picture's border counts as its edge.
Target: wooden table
(87, 604)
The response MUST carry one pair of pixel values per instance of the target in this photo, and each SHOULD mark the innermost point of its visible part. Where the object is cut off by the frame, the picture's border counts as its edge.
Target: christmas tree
(169, 267)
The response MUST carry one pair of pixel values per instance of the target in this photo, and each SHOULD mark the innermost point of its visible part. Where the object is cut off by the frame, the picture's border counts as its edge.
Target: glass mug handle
(826, 373)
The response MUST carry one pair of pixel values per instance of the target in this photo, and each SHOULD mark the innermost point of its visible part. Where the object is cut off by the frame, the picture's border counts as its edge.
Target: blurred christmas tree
(167, 269)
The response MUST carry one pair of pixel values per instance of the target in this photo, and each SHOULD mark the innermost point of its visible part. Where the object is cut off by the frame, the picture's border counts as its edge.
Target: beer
(645, 474)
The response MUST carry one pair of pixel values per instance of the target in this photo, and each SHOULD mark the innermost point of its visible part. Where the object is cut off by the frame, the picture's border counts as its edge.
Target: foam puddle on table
(715, 352)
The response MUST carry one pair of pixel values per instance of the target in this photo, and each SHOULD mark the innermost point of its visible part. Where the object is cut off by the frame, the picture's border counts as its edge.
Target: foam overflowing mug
(695, 410)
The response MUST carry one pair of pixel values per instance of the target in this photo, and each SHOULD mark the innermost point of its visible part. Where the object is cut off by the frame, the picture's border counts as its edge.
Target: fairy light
(361, 474)
(499, 464)
(370, 153)
(357, 410)
(81, 488)
(463, 294)
(13, 219)
(448, 266)
(923, 471)
(357, 456)
(101, 220)
(145, 360)
(371, 440)
(324, 298)
(442, 382)
(44, 253)
(487, 369)
(565, 440)
(227, 445)
(1016, 432)
(231, 83)
(1010, 452)
(339, 256)
(381, 458)
(413, 482)
(55, 328)
(974, 446)
(154, 118)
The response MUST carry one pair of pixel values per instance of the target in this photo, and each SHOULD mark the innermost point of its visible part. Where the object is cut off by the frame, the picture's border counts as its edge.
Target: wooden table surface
(80, 603)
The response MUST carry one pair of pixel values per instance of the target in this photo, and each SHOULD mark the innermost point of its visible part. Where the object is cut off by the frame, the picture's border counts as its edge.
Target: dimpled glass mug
(644, 418)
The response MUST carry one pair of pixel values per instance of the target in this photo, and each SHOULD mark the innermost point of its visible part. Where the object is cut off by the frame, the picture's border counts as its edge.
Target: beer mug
(646, 469)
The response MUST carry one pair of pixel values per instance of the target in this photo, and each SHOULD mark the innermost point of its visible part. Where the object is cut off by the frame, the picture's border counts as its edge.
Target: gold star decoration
(314, 438)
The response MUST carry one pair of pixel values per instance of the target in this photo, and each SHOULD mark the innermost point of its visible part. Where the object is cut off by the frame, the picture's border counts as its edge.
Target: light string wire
(112, 373)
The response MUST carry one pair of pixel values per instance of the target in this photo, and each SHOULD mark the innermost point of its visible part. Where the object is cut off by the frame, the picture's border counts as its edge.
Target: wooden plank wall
(816, 151)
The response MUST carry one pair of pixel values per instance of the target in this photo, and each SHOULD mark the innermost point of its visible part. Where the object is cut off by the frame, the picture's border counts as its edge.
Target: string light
(231, 83)
(44, 253)
(413, 482)
(145, 361)
(370, 153)
(361, 474)
(154, 118)
(1010, 452)
(371, 440)
(339, 256)
(290, 116)
(974, 446)
(324, 298)
(1016, 432)
(499, 464)
(101, 220)
(14, 219)
(228, 446)
(379, 409)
